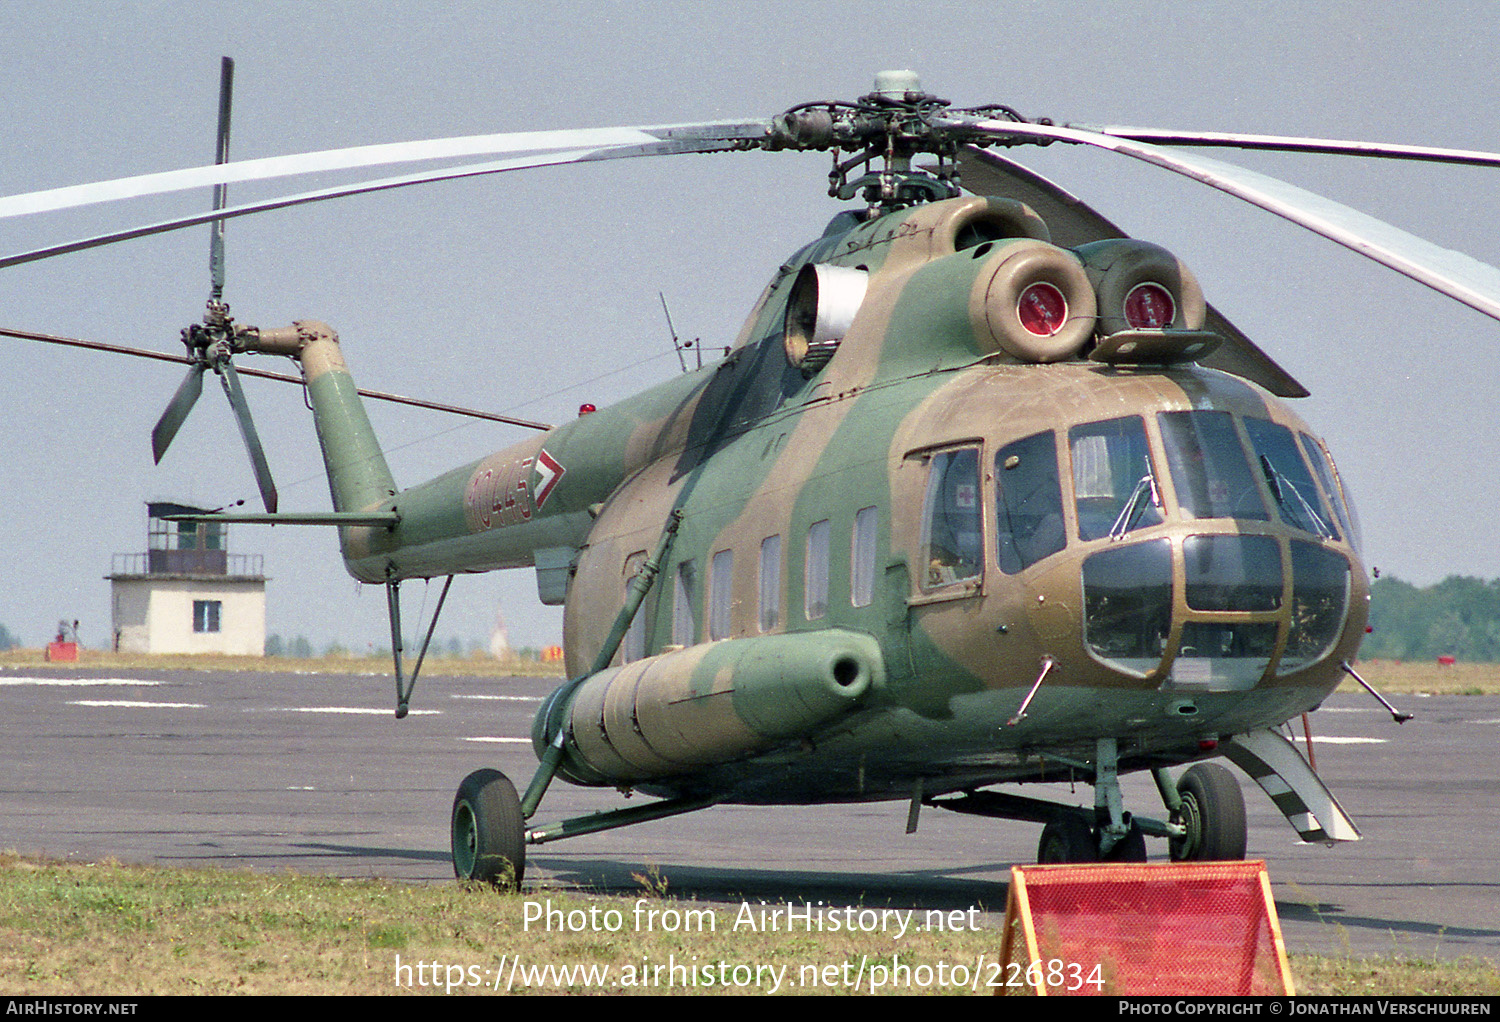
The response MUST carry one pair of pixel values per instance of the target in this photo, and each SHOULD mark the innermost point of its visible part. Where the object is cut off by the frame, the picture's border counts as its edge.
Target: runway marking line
(136, 704)
(21, 679)
(508, 699)
(364, 710)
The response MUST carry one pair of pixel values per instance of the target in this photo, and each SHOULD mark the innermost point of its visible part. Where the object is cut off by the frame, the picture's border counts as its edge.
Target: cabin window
(1028, 502)
(206, 615)
(952, 530)
(1286, 476)
(770, 583)
(1210, 472)
(685, 604)
(720, 594)
(815, 571)
(1113, 482)
(862, 557)
(634, 645)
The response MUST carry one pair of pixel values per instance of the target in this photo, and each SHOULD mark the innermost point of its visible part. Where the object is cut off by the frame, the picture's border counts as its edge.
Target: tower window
(206, 615)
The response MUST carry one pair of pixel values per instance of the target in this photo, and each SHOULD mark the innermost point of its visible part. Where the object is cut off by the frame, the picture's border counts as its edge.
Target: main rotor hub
(893, 123)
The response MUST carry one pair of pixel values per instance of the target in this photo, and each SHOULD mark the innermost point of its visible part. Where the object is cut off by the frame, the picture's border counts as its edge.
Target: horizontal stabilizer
(390, 519)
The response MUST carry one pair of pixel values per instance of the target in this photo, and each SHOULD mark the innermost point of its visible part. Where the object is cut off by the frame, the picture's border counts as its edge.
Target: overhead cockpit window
(952, 534)
(1028, 502)
(1210, 473)
(1291, 484)
(1113, 482)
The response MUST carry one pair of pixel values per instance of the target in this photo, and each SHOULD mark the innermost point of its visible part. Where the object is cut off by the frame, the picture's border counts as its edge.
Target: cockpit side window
(952, 530)
(1210, 474)
(1324, 468)
(1028, 502)
(1286, 476)
(1113, 481)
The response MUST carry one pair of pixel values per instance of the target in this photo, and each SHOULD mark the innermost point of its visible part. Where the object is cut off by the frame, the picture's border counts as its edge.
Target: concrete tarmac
(312, 772)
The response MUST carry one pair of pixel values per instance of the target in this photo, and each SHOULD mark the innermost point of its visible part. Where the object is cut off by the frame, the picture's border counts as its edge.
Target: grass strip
(110, 929)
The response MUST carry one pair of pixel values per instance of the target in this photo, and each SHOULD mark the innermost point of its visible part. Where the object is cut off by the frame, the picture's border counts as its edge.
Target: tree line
(1458, 617)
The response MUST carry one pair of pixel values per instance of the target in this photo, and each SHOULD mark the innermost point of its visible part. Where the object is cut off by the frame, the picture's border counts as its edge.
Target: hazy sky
(538, 290)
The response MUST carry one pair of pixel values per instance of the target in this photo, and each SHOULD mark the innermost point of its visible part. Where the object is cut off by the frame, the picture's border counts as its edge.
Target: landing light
(1149, 307)
(1042, 309)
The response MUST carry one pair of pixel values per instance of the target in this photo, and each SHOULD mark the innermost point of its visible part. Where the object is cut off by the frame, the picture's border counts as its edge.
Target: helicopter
(985, 492)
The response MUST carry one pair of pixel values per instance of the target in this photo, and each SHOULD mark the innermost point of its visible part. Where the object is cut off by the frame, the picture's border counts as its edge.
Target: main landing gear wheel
(1213, 811)
(489, 832)
(1130, 848)
(1067, 838)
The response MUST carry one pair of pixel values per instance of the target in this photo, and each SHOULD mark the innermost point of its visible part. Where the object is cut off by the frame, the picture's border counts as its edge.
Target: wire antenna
(677, 345)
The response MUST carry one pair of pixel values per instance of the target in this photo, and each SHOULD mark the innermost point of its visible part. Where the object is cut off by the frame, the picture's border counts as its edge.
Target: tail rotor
(212, 343)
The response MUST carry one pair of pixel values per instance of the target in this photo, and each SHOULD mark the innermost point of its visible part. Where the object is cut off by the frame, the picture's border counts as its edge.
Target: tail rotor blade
(177, 410)
(236, 395)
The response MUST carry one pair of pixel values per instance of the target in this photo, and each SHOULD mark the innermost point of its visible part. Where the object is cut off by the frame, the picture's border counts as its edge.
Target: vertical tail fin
(358, 477)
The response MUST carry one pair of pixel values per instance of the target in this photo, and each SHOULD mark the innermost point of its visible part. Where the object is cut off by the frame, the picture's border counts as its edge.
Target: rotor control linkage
(1397, 715)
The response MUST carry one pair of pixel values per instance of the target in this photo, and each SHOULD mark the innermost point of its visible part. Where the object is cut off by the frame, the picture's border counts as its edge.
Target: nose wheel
(1213, 814)
(488, 831)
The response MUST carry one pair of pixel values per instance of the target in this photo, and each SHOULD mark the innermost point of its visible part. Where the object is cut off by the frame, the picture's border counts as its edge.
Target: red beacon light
(1042, 309)
(1149, 307)
(586, 409)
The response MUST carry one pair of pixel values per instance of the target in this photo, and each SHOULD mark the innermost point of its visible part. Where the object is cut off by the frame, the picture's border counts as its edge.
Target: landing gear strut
(489, 833)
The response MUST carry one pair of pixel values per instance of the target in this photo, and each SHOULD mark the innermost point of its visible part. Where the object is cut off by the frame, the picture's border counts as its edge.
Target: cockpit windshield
(1297, 498)
(1113, 481)
(1210, 474)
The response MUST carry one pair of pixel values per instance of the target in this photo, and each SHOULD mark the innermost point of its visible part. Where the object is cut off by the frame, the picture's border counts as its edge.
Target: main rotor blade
(707, 136)
(1073, 222)
(1460, 277)
(264, 374)
(1295, 144)
(657, 148)
(177, 411)
(236, 395)
(221, 191)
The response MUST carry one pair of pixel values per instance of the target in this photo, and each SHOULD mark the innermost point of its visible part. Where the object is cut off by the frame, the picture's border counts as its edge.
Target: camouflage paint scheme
(917, 686)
